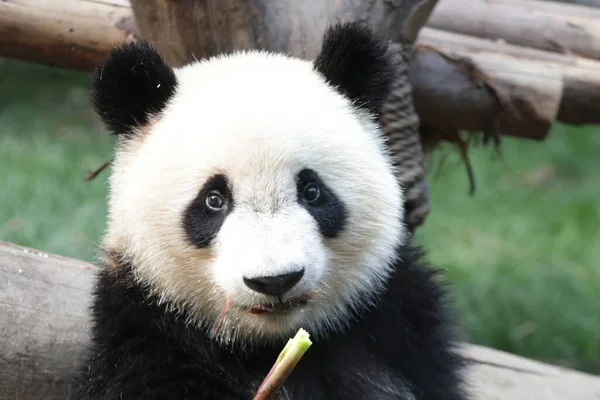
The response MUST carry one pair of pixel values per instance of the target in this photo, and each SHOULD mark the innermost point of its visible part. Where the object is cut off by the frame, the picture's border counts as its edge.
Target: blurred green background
(522, 255)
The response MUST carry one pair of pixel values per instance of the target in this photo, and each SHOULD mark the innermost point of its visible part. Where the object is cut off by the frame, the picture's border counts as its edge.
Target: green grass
(49, 139)
(521, 255)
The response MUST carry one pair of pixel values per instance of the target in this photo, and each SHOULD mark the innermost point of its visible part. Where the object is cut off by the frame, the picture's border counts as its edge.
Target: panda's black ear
(132, 85)
(358, 63)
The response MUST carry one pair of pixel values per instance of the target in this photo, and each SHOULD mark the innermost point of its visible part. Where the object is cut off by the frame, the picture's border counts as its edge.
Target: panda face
(254, 192)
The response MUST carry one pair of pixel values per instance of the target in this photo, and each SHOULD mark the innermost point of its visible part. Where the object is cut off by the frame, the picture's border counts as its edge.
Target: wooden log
(44, 322)
(74, 34)
(497, 375)
(491, 92)
(79, 33)
(574, 8)
(435, 74)
(182, 31)
(529, 24)
(593, 3)
(438, 55)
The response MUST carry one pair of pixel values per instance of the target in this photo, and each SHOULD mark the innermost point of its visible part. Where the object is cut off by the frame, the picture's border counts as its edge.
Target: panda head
(253, 191)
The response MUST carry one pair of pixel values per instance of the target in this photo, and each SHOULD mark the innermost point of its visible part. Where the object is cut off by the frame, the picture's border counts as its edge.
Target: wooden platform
(44, 302)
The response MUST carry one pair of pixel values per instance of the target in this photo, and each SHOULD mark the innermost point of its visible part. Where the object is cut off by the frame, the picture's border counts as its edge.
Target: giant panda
(251, 195)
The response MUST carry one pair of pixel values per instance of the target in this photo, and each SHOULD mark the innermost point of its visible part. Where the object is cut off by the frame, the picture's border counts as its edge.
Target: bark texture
(536, 24)
(74, 34)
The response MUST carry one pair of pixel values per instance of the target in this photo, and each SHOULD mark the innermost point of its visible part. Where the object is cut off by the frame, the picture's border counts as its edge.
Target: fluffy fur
(398, 350)
(133, 84)
(264, 118)
(213, 194)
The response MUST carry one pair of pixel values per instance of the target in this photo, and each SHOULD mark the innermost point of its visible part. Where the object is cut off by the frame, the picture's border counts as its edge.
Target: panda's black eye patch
(321, 203)
(206, 213)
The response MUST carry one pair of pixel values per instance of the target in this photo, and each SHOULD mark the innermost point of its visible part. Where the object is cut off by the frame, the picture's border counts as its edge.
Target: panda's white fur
(286, 117)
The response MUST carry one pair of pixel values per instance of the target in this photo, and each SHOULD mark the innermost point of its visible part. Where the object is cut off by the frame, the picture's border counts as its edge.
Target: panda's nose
(274, 285)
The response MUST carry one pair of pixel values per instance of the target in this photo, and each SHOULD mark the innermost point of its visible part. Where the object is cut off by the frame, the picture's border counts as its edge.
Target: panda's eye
(215, 201)
(311, 193)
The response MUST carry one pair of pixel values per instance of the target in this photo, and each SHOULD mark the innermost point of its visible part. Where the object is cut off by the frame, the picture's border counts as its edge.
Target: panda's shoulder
(138, 340)
(414, 328)
(415, 302)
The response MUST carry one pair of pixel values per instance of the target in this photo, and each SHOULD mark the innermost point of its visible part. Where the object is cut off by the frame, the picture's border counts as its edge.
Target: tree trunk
(526, 23)
(182, 31)
(77, 34)
(401, 124)
(45, 322)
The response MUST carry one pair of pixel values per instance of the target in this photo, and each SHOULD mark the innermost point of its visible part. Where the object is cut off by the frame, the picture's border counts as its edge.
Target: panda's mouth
(281, 307)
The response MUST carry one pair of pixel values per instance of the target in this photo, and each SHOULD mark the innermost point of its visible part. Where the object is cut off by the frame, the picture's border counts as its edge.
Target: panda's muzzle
(281, 307)
(275, 285)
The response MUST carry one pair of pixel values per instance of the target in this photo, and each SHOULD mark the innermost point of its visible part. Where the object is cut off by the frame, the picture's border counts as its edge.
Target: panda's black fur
(401, 348)
(133, 84)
